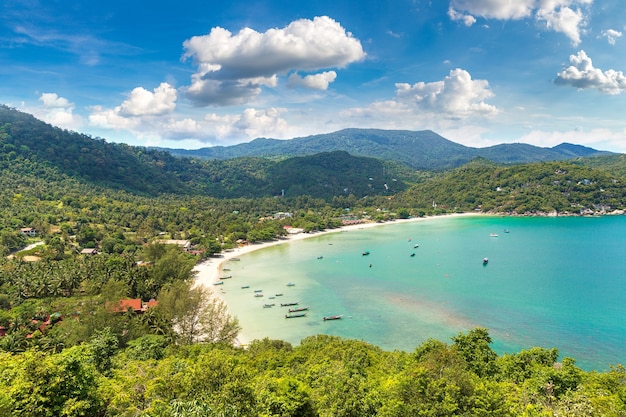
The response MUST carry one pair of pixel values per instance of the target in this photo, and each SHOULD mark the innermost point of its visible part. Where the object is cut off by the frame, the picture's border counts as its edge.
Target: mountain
(424, 150)
(29, 146)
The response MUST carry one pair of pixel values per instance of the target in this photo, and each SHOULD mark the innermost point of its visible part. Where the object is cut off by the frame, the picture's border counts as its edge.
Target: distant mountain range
(359, 162)
(423, 150)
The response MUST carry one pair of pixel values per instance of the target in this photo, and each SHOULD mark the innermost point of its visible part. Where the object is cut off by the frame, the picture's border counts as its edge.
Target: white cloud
(58, 111)
(232, 68)
(611, 35)
(601, 139)
(142, 102)
(53, 101)
(563, 16)
(138, 109)
(319, 81)
(582, 74)
(456, 96)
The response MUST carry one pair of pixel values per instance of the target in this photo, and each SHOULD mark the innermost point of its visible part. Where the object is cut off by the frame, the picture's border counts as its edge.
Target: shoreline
(209, 270)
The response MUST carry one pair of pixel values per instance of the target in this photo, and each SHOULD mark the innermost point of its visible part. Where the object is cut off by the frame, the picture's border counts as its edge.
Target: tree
(196, 315)
(474, 348)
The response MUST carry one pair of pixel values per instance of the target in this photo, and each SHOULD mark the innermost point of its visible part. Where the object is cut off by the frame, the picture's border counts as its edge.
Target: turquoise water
(550, 282)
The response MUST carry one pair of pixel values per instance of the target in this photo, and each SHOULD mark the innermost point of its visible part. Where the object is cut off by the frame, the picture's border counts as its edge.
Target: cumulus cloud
(58, 111)
(232, 68)
(582, 74)
(456, 96)
(563, 16)
(455, 101)
(142, 102)
(141, 105)
(611, 35)
(319, 81)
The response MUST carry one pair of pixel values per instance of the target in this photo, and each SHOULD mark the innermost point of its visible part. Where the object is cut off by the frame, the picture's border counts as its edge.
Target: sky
(197, 73)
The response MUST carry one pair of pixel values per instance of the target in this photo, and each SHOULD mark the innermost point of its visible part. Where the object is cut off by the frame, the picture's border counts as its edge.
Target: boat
(506, 230)
(320, 257)
(226, 269)
(289, 304)
(258, 290)
(493, 235)
(235, 259)
(337, 317)
(271, 297)
(413, 254)
(218, 283)
(365, 253)
(226, 277)
(416, 246)
(290, 284)
(280, 294)
(291, 316)
(268, 305)
(293, 310)
(485, 261)
(258, 294)
(243, 287)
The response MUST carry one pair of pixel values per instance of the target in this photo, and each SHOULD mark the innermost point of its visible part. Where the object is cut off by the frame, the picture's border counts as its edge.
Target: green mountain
(26, 143)
(424, 150)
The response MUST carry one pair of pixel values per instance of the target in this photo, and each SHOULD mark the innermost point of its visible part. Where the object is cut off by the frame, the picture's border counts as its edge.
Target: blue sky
(191, 73)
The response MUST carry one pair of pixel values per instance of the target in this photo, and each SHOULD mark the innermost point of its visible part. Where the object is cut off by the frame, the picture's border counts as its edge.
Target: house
(135, 305)
(89, 251)
(28, 231)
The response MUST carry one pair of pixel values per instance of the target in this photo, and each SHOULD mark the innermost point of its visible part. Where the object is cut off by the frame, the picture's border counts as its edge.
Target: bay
(550, 282)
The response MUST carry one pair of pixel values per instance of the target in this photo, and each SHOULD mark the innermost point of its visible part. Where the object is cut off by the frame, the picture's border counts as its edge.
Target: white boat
(494, 235)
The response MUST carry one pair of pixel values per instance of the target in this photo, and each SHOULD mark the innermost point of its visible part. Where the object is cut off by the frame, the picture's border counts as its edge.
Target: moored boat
(258, 294)
(485, 261)
(243, 287)
(289, 304)
(226, 277)
(293, 310)
(218, 283)
(294, 315)
(337, 317)
(290, 284)
(366, 253)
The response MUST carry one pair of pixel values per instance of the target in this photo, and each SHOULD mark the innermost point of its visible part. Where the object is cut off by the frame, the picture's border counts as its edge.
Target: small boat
(416, 246)
(218, 283)
(506, 230)
(333, 317)
(291, 316)
(258, 294)
(243, 287)
(320, 257)
(235, 259)
(268, 305)
(280, 294)
(271, 297)
(226, 277)
(290, 284)
(289, 304)
(258, 290)
(493, 235)
(293, 310)
(226, 269)
(365, 253)
(413, 254)
(485, 261)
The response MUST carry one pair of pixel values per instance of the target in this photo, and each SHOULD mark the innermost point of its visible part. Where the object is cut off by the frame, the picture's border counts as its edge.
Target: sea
(551, 282)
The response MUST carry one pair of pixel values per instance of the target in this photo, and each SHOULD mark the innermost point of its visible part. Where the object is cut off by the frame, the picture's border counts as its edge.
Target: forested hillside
(150, 172)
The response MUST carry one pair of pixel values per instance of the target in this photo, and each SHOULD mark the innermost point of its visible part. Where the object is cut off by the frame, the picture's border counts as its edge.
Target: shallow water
(549, 282)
